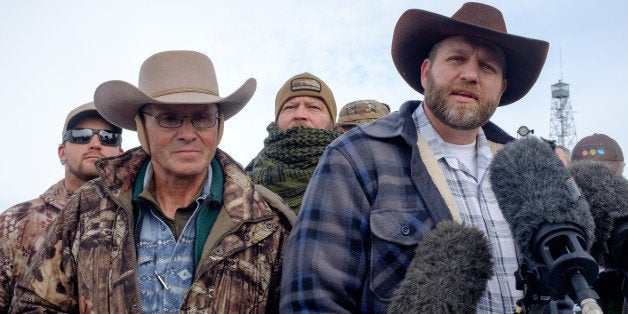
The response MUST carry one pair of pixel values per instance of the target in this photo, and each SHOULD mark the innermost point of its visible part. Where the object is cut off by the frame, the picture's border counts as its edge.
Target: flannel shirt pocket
(396, 232)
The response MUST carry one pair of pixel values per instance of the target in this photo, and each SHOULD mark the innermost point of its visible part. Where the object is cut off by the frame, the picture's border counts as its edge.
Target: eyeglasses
(84, 136)
(171, 120)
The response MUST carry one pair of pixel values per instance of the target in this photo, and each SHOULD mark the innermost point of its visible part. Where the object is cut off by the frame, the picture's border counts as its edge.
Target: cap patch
(310, 84)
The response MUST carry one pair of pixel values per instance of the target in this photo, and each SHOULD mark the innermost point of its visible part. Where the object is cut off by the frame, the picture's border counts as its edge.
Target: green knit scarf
(288, 160)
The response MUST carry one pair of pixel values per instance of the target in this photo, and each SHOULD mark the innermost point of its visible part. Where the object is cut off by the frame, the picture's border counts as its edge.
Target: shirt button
(405, 230)
(269, 225)
(218, 251)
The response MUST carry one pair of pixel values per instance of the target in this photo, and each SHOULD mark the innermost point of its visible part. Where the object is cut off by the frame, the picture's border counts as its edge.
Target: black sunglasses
(84, 136)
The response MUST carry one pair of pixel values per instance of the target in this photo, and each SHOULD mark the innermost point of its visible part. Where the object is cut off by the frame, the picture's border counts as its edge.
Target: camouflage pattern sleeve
(22, 229)
(49, 283)
(6, 274)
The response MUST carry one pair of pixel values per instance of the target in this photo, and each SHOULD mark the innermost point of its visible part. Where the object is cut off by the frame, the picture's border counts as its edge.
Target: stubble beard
(84, 171)
(459, 116)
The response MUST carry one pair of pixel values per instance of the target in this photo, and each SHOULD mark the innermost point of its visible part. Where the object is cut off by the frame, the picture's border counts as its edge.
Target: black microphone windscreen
(533, 188)
(448, 274)
(607, 195)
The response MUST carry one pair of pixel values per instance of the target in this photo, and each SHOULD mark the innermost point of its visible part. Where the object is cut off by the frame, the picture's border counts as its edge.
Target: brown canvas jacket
(21, 229)
(89, 261)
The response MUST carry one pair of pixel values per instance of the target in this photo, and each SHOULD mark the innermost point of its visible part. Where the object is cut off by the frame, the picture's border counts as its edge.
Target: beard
(459, 116)
(84, 171)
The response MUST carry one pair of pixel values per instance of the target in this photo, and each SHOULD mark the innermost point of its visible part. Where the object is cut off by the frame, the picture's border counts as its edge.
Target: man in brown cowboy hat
(85, 138)
(378, 190)
(173, 225)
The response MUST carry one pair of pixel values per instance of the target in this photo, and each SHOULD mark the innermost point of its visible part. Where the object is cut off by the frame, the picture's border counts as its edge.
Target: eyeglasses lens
(175, 120)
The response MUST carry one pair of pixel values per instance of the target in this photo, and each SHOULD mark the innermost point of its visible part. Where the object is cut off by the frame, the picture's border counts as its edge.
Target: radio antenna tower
(562, 127)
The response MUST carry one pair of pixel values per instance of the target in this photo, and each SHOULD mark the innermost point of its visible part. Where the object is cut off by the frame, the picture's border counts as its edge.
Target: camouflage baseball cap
(81, 112)
(362, 111)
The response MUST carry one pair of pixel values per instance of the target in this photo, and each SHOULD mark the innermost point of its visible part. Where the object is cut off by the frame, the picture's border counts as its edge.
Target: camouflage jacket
(21, 229)
(89, 260)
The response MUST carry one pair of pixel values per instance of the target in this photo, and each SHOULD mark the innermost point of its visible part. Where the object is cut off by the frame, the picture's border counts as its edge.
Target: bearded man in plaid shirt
(379, 188)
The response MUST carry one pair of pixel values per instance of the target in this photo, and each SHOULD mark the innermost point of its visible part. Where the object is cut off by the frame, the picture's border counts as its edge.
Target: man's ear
(61, 153)
(425, 70)
(504, 84)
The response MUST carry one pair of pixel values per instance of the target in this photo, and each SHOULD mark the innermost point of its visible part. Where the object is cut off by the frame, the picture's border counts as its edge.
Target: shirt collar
(440, 150)
(214, 173)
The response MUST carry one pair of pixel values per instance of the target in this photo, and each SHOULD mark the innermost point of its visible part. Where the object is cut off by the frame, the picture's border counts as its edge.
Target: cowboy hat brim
(417, 31)
(118, 101)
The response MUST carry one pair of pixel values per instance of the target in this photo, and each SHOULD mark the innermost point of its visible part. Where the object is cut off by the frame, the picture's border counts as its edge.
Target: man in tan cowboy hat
(378, 190)
(172, 226)
(85, 138)
(305, 115)
(360, 112)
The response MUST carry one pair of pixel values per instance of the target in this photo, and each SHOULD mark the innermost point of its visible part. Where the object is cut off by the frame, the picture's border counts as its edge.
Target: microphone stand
(533, 279)
(618, 252)
(560, 270)
(624, 288)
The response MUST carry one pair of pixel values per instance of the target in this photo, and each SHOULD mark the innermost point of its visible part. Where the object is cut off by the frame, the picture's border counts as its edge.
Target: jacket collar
(120, 172)
(57, 195)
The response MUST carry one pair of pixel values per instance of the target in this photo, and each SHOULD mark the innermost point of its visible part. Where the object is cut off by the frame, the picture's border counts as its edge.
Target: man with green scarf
(305, 115)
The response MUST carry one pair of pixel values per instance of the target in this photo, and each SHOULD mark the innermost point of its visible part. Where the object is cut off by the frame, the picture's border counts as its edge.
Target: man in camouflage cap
(360, 112)
(22, 225)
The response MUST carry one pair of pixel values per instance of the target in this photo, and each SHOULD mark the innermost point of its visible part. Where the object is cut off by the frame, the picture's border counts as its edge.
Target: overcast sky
(55, 53)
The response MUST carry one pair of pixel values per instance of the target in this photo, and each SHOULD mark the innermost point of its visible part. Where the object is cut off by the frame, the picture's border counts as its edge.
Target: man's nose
(300, 112)
(469, 71)
(94, 142)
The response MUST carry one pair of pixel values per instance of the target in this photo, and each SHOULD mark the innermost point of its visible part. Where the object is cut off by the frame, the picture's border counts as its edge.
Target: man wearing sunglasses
(173, 226)
(22, 225)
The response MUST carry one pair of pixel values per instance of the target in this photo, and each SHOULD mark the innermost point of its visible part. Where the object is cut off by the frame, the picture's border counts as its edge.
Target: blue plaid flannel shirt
(368, 204)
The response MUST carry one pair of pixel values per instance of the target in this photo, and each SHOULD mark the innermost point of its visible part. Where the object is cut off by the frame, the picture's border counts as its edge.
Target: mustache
(466, 88)
(90, 155)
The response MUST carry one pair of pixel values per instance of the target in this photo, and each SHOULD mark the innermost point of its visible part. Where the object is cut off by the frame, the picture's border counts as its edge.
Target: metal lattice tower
(562, 127)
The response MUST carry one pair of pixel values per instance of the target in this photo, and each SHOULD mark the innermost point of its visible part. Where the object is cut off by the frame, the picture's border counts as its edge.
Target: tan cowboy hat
(417, 31)
(169, 77)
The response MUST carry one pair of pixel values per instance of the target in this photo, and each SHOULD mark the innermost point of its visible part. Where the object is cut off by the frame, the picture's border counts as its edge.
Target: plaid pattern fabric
(368, 205)
(477, 206)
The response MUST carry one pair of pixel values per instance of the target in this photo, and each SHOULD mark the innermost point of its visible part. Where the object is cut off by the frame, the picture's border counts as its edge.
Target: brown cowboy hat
(417, 31)
(169, 77)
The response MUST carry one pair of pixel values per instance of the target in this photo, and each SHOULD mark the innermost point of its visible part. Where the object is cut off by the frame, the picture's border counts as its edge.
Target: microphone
(607, 195)
(449, 272)
(550, 220)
